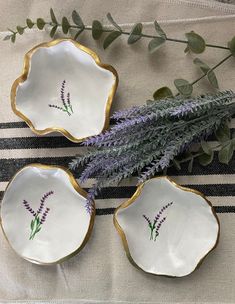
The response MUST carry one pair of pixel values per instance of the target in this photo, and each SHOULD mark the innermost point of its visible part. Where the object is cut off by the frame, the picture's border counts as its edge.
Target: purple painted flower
(35, 225)
(44, 216)
(67, 106)
(157, 222)
(45, 196)
(27, 206)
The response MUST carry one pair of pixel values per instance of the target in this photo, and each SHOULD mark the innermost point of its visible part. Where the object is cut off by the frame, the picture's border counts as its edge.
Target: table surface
(101, 273)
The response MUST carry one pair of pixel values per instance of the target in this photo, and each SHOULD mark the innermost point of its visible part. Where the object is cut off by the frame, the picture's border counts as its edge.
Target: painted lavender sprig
(157, 222)
(147, 139)
(67, 106)
(37, 221)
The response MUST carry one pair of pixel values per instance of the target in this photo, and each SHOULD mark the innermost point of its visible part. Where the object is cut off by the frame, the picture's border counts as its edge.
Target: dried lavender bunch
(147, 138)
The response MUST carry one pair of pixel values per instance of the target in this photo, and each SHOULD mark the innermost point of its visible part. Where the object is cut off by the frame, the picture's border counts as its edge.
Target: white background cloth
(101, 273)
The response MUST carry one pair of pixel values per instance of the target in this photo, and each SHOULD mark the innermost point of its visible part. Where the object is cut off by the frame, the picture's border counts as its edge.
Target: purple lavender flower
(67, 106)
(151, 136)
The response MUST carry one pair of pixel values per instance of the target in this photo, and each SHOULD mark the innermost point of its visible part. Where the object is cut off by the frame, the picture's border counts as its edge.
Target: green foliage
(40, 23)
(53, 31)
(53, 18)
(207, 71)
(29, 23)
(78, 33)
(111, 20)
(20, 30)
(223, 134)
(183, 86)
(206, 148)
(226, 153)
(159, 30)
(77, 19)
(231, 45)
(212, 79)
(135, 33)
(110, 38)
(206, 159)
(65, 25)
(155, 44)
(162, 93)
(196, 43)
(97, 29)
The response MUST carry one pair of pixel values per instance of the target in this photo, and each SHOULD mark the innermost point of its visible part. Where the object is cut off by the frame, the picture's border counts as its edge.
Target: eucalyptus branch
(212, 69)
(194, 42)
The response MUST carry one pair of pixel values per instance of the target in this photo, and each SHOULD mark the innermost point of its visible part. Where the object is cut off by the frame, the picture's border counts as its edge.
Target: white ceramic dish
(64, 87)
(167, 229)
(44, 215)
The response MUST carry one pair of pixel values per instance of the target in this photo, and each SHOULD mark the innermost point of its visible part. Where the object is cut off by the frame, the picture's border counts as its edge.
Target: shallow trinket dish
(167, 229)
(44, 215)
(64, 87)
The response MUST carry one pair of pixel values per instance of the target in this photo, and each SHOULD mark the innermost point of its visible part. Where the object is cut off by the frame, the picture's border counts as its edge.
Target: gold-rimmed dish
(64, 87)
(167, 229)
(45, 215)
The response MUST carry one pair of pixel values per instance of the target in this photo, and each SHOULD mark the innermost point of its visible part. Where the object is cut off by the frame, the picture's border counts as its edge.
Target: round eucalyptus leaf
(162, 93)
(65, 25)
(20, 30)
(53, 18)
(155, 44)
(212, 79)
(110, 38)
(205, 159)
(223, 134)
(159, 30)
(195, 42)
(7, 37)
(97, 29)
(183, 86)
(29, 23)
(114, 23)
(135, 34)
(77, 19)
(226, 153)
(53, 31)
(190, 165)
(202, 65)
(40, 23)
(206, 148)
(13, 38)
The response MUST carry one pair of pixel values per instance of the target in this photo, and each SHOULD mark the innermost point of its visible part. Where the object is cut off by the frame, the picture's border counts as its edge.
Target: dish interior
(65, 89)
(188, 228)
(65, 224)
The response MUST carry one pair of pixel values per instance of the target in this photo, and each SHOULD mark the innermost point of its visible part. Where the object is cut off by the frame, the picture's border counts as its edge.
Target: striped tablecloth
(101, 273)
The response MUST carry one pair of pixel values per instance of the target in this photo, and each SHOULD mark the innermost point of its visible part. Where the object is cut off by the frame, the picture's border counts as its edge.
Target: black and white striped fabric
(18, 143)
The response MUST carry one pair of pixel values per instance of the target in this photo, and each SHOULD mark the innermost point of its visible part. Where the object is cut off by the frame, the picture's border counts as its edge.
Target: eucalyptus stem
(83, 27)
(212, 69)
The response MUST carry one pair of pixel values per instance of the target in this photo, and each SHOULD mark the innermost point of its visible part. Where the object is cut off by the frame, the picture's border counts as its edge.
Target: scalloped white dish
(64, 87)
(44, 214)
(167, 229)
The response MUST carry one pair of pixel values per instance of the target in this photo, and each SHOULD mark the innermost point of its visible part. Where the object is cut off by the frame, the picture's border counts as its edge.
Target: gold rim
(132, 200)
(81, 191)
(24, 76)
